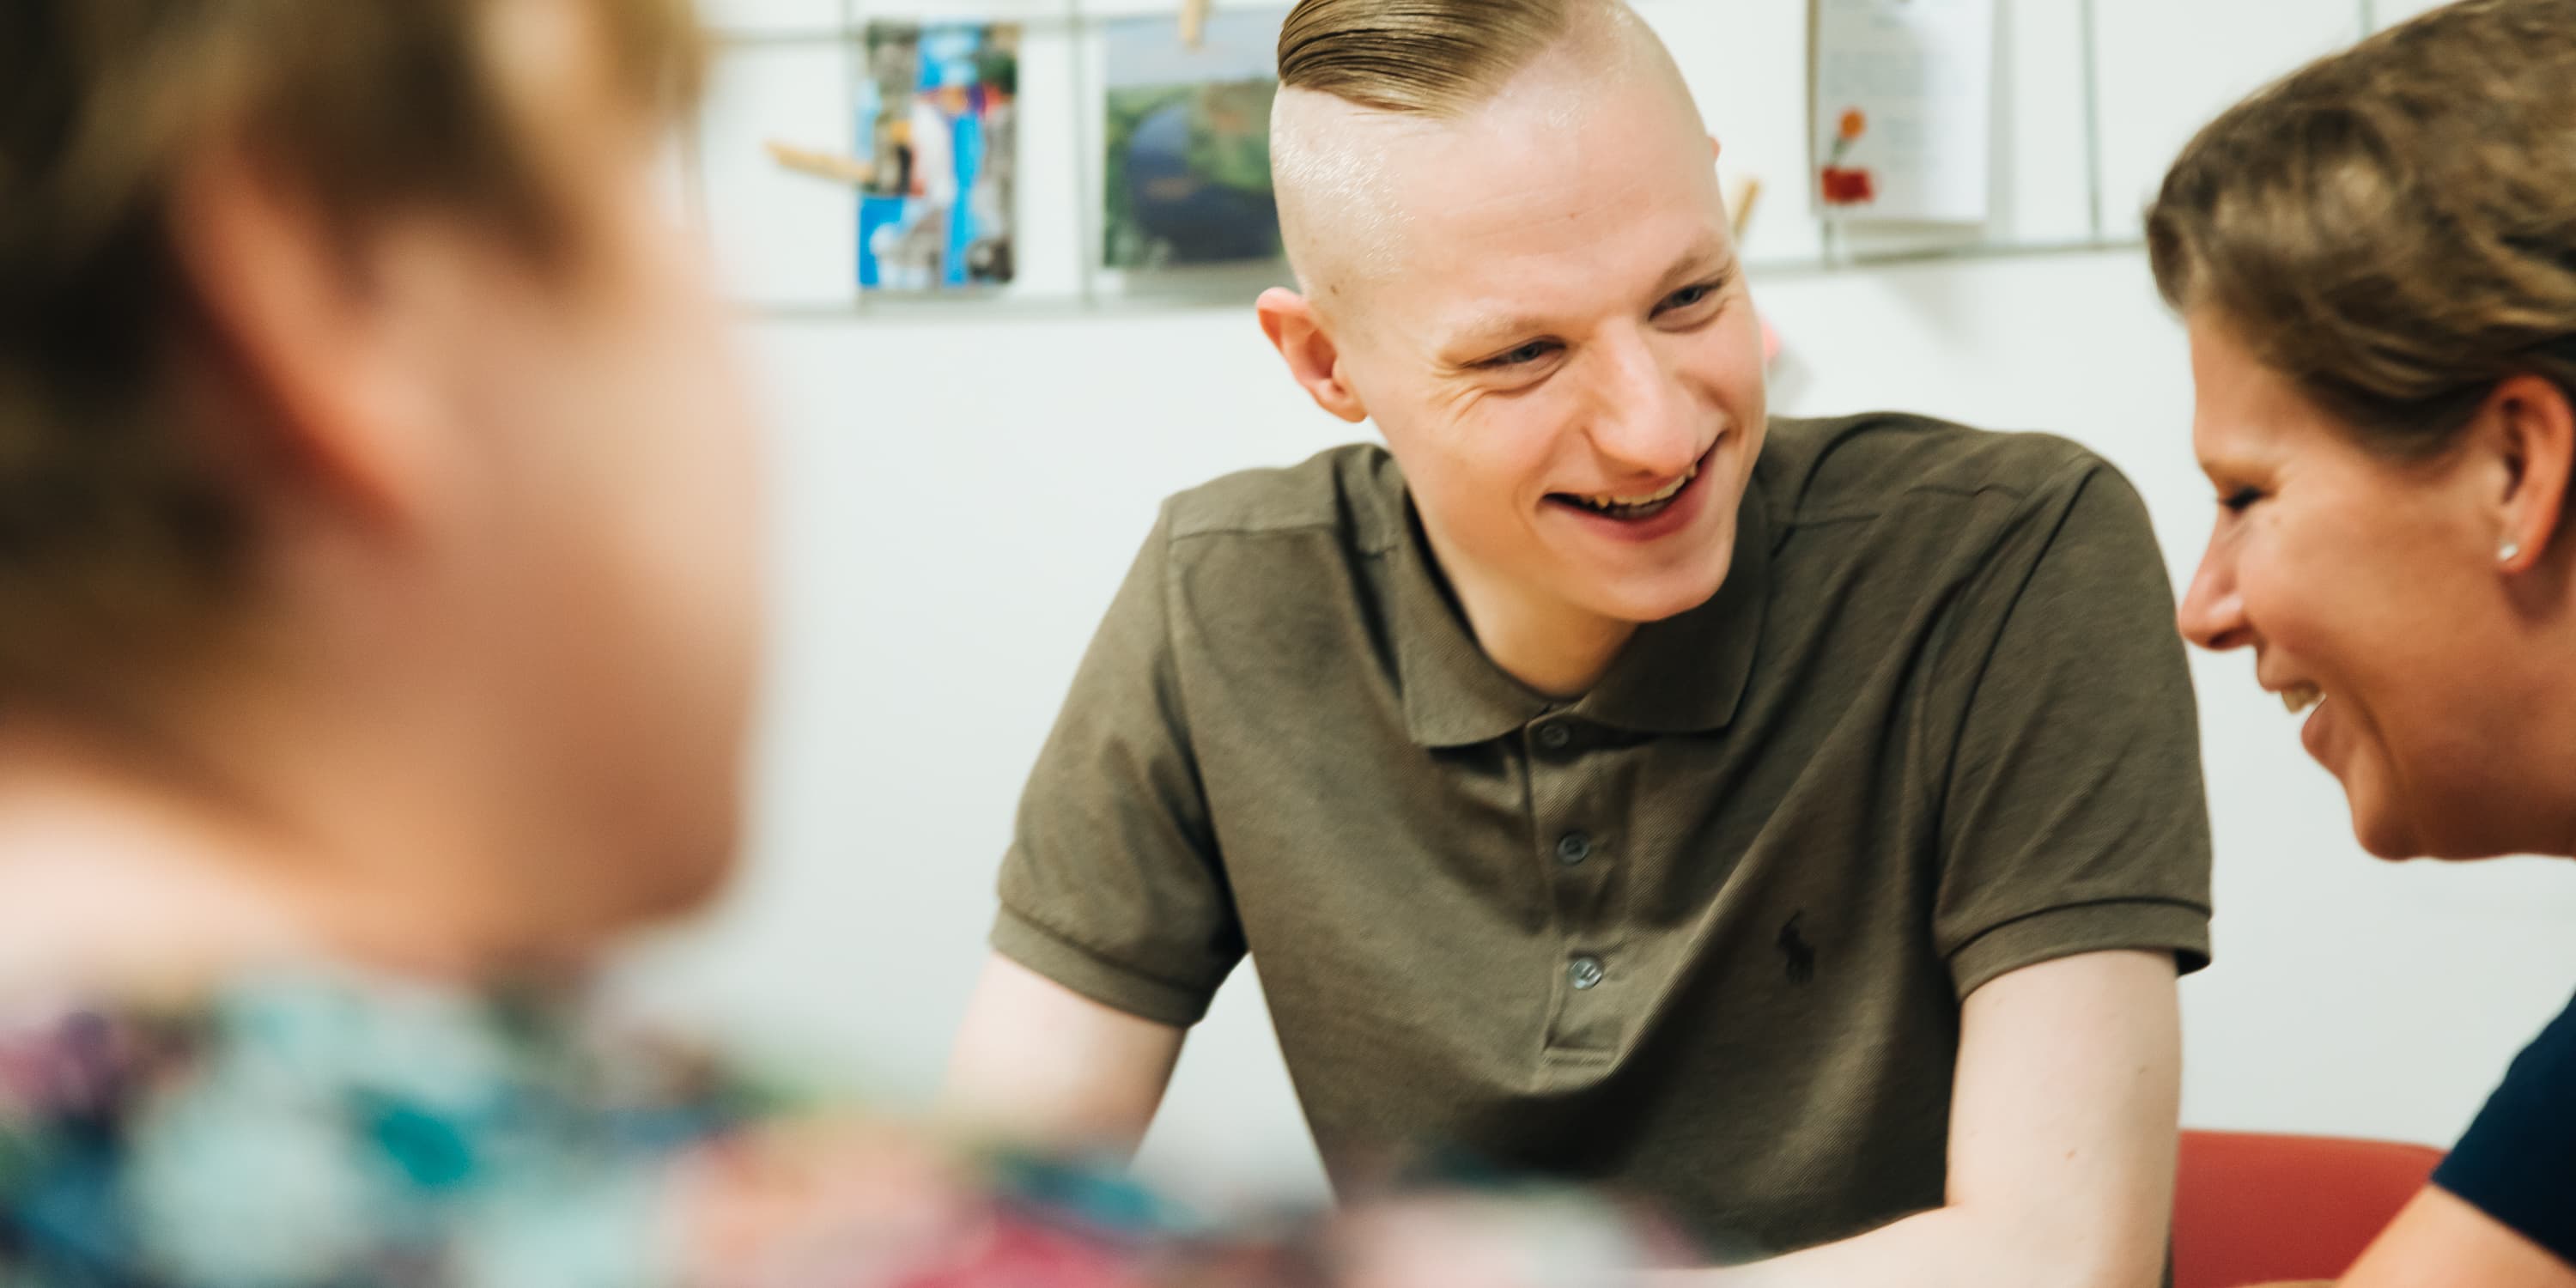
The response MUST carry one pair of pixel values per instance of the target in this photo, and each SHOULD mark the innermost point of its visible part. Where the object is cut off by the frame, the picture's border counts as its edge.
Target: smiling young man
(1798, 824)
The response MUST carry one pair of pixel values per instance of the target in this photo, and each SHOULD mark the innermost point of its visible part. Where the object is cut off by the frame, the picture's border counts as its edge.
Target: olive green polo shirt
(1702, 934)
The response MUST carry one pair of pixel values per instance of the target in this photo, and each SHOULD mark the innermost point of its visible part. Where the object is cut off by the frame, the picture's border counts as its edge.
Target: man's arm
(1116, 922)
(1038, 1064)
(2063, 1131)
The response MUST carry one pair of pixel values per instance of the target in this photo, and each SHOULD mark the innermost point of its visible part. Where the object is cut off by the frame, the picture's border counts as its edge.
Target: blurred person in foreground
(378, 619)
(2376, 261)
(378, 611)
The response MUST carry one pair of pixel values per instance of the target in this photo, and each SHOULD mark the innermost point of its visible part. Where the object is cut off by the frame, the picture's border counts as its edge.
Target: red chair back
(2256, 1209)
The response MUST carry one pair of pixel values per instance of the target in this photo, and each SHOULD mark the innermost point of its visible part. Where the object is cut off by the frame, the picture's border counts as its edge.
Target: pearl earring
(2512, 550)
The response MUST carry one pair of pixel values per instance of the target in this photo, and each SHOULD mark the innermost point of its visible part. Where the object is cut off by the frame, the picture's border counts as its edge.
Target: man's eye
(1534, 351)
(2241, 500)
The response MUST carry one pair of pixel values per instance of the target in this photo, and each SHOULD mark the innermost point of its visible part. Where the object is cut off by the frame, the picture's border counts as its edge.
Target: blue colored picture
(936, 117)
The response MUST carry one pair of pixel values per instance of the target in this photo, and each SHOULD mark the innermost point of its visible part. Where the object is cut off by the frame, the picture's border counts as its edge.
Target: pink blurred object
(1029, 1256)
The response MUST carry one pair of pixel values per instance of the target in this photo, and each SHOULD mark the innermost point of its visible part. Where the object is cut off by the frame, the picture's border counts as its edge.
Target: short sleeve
(1112, 886)
(2073, 818)
(2518, 1162)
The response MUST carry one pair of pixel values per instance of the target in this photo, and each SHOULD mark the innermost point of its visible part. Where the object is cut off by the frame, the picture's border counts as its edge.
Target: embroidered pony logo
(1796, 952)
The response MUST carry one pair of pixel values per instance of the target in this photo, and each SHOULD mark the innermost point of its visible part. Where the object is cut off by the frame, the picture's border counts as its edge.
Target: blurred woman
(2376, 260)
(377, 625)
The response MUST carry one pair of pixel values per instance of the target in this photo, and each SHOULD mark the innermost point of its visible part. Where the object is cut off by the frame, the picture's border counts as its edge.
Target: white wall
(958, 492)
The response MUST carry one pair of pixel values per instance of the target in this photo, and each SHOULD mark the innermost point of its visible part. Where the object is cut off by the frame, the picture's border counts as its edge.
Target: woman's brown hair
(2393, 227)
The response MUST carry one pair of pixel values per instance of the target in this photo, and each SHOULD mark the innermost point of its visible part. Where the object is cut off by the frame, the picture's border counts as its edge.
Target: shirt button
(1555, 737)
(1573, 848)
(1584, 973)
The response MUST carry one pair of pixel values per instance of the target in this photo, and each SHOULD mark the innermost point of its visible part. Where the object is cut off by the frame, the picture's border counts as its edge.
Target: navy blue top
(2518, 1162)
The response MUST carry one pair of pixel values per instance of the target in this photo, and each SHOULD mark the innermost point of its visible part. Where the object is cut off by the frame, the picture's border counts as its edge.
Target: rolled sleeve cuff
(2132, 925)
(1086, 972)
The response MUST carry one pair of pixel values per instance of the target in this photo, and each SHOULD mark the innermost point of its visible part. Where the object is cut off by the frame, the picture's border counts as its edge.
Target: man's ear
(1314, 360)
(2534, 432)
(299, 317)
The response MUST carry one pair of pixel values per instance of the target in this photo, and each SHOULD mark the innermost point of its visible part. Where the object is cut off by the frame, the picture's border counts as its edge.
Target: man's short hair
(1438, 58)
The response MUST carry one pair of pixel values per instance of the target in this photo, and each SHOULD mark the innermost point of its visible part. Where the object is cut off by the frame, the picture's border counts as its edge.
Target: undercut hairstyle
(1437, 58)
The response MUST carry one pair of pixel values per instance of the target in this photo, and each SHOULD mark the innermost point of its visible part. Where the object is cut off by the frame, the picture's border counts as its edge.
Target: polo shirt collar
(1686, 674)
